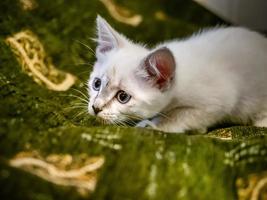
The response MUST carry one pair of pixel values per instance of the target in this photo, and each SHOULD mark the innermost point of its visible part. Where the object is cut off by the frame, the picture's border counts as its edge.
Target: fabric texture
(50, 148)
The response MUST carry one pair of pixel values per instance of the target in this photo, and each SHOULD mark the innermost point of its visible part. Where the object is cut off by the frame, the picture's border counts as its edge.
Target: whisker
(131, 122)
(73, 107)
(163, 115)
(115, 122)
(130, 119)
(97, 40)
(86, 85)
(84, 95)
(120, 123)
(80, 104)
(79, 114)
(104, 121)
(85, 45)
(94, 39)
(86, 63)
(132, 116)
(84, 72)
(79, 107)
(83, 100)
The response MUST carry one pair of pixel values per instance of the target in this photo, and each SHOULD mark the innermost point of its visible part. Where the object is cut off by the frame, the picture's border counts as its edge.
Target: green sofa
(50, 148)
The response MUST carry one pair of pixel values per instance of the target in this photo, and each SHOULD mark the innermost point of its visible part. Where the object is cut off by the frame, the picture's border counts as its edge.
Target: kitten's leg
(148, 123)
(190, 119)
(145, 123)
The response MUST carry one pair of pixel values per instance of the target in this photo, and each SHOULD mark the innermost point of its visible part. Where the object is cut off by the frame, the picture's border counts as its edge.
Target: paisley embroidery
(28, 4)
(122, 14)
(30, 53)
(252, 187)
(79, 171)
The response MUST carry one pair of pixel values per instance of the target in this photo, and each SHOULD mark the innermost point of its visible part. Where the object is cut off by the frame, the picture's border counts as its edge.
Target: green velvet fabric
(226, 163)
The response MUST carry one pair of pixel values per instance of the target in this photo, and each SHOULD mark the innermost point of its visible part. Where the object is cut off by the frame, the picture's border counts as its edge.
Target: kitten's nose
(96, 109)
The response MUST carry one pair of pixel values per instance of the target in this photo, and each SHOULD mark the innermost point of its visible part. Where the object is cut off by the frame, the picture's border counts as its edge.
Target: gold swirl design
(253, 187)
(28, 4)
(79, 171)
(122, 14)
(32, 57)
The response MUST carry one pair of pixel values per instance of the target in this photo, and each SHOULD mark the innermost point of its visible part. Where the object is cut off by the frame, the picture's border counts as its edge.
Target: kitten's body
(184, 85)
(221, 73)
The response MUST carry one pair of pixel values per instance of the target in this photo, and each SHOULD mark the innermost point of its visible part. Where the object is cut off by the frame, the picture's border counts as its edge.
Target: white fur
(220, 73)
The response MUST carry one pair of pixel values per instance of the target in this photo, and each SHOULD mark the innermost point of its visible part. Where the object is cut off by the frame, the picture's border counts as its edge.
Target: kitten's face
(121, 87)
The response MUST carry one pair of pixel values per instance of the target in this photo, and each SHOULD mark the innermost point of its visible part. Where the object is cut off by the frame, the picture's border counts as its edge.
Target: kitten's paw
(145, 123)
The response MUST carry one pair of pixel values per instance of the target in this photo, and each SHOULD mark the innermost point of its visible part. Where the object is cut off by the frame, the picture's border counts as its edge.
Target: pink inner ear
(160, 66)
(105, 43)
(106, 36)
(104, 49)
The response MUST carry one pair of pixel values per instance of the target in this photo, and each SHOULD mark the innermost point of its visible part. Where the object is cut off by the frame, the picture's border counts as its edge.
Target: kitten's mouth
(103, 120)
(107, 118)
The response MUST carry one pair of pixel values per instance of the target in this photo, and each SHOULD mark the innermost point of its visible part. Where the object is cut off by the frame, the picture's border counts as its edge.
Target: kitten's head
(128, 80)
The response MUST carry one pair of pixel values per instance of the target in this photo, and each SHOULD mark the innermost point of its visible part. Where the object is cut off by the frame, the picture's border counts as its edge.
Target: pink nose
(96, 109)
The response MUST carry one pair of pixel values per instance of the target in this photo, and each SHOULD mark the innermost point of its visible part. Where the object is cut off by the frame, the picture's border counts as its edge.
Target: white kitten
(180, 85)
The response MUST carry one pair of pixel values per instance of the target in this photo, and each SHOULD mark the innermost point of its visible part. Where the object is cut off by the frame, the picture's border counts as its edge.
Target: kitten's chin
(130, 120)
(108, 118)
(104, 120)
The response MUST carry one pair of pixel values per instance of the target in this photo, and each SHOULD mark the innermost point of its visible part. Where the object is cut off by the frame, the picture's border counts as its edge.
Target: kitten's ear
(160, 68)
(107, 37)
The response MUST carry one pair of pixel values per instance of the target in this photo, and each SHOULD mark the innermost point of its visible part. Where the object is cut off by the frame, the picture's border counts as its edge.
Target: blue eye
(97, 84)
(123, 97)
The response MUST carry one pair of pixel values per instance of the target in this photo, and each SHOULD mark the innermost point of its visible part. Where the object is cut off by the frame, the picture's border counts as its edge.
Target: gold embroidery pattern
(222, 134)
(253, 187)
(248, 152)
(79, 171)
(30, 53)
(122, 14)
(28, 4)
